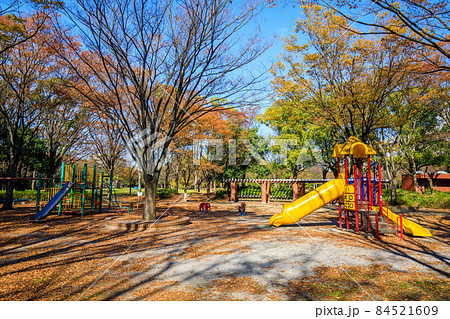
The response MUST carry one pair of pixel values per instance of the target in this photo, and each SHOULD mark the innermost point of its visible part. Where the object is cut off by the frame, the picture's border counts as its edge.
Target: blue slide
(52, 203)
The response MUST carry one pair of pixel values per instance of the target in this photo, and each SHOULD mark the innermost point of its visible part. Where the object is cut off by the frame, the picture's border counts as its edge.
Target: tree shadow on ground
(61, 258)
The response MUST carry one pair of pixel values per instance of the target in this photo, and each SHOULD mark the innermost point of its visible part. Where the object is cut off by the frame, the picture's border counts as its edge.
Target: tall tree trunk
(177, 182)
(394, 185)
(185, 194)
(430, 185)
(8, 204)
(166, 181)
(139, 181)
(150, 186)
(413, 171)
(33, 182)
(208, 189)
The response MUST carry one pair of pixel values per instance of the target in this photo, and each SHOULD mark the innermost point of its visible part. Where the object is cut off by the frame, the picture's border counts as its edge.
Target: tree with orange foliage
(342, 81)
(15, 27)
(425, 23)
(24, 70)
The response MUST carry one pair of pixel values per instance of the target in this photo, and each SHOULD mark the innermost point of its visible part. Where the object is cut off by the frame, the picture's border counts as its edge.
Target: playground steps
(383, 227)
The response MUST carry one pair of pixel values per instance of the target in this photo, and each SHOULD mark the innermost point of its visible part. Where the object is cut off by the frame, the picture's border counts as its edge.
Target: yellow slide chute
(334, 189)
(305, 205)
(409, 226)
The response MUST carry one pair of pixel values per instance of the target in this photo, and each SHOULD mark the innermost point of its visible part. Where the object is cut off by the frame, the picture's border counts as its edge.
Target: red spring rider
(242, 209)
(204, 207)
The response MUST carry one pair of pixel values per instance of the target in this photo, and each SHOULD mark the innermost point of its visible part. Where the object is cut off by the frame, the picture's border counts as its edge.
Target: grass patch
(126, 191)
(161, 193)
(413, 199)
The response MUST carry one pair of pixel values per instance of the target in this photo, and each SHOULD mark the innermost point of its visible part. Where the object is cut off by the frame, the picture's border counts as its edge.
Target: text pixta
(336, 311)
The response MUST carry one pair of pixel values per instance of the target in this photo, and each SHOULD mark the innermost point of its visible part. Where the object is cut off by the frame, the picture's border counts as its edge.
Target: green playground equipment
(81, 188)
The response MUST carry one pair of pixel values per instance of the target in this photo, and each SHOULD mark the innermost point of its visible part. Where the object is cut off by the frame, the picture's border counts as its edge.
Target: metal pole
(93, 187)
(360, 178)
(401, 226)
(346, 170)
(71, 190)
(380, 202)
(346, 211)
(110, 191)
(60, 186)
(364, 191)
(338, 160)
(101, 195)
(374, 196)
(368, 215)
(38, 192)
(347, 217)
(356, 199)
(377, 229)
(369, 189)
(83, 194)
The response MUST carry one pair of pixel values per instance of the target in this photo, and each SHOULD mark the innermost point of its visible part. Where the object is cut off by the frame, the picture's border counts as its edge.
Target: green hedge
(250, 191)
(282, 191)
(28, 194)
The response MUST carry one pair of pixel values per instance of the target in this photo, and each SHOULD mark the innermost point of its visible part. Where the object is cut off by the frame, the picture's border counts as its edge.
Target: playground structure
(80, 188)
(359, 196)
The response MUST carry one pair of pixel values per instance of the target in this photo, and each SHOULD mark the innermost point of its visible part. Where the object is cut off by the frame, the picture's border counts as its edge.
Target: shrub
(413, 199)
(221, 194)
(162, 193)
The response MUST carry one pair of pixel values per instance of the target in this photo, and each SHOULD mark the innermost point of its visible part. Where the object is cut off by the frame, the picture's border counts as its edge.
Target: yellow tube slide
(293, 212)
(409, 227)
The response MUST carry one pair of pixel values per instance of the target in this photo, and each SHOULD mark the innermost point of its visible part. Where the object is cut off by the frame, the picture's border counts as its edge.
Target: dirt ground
(219, 256)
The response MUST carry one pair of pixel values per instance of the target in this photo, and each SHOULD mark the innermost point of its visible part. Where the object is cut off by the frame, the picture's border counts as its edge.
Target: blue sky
(275, 23)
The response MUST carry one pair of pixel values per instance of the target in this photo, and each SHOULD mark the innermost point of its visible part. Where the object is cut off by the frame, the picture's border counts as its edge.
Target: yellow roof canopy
(353, 147)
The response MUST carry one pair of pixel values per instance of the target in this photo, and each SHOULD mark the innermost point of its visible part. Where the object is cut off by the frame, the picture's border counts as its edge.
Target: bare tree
(64, 123)
(164, 64)
(107, 146)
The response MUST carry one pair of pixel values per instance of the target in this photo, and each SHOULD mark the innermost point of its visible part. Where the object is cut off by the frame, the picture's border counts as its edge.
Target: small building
(440, 182)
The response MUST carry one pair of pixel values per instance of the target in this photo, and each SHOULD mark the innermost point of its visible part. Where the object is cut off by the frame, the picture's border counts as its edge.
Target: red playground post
(356, 198)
